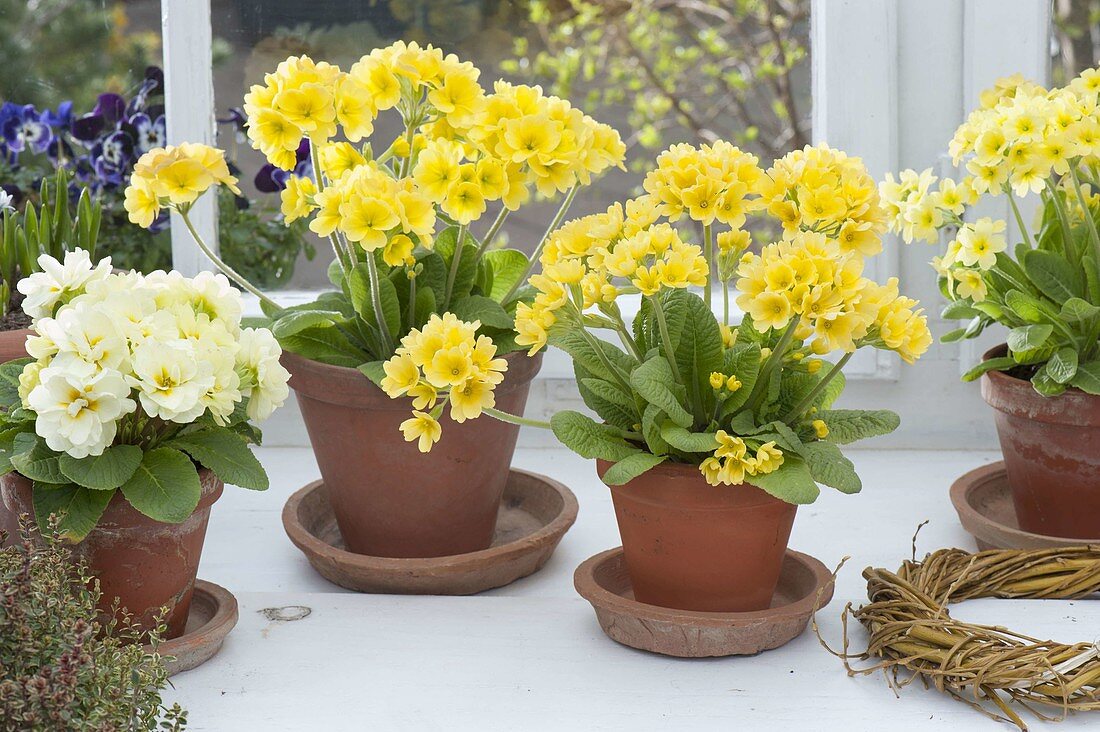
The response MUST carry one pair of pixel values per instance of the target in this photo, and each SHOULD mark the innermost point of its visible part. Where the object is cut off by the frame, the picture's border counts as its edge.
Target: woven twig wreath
(989, 668)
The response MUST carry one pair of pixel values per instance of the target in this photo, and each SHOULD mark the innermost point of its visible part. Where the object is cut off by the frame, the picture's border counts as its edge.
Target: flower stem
(801, 407)
(376, 300)
(708, 254)
(319, 179)
(666, 337)
(491, 234)
(1086, 213)
(565, 204)
(1068, 245)
(1019, 218)
(225, 268)
(456, 260)
(513, 419)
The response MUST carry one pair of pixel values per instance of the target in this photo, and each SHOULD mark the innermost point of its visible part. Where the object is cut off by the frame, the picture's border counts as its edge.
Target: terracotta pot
(391, 500)
(13, 345)
(692, 546)
(146, 564)
(1051, 448)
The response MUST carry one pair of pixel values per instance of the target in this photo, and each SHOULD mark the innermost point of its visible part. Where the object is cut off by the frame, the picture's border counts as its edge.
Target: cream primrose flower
(58, 282)
(263, 379)
(78, 407)
(170, 380)
(87, 334)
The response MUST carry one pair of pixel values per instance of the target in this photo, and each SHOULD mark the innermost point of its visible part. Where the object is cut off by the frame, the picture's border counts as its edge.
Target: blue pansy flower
(25, 129)
(149, 133)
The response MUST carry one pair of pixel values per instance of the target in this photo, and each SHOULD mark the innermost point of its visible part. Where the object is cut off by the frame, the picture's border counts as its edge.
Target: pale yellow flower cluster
(445, 363)
(812, 278)
(824, 190)
(733, 460)
(710, 183)
(463, 148)
(174, 175)
(1022, 134)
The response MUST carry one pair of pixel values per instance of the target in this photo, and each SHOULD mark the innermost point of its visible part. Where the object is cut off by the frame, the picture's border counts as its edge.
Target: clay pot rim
(584, 581)
(985, 528)
(350, 387)
(552, 531)
(1017, 397)
(209, 636)
(16, 332)
(689, 473)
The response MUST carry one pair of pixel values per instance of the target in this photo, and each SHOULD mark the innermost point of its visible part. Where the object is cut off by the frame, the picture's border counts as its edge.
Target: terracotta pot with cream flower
(415, 233)
(28, 246)
(1044, 383)
(137, 406)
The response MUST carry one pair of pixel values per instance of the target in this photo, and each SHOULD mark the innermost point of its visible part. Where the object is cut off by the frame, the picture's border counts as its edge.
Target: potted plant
(52, 228)
(139, 403)
(713, 433)
(64, 667)
(1044, 382)
(400, 220)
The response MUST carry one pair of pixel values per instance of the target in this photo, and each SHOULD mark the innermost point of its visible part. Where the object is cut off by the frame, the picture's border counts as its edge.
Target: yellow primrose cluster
(446, 358)
(812, 278)
(1022, 133)
(1020, 139)
(733, 460)
(369, 207)
(174, 176)
(462, 147)
(707, 184)
(824, 190)
(814, 273)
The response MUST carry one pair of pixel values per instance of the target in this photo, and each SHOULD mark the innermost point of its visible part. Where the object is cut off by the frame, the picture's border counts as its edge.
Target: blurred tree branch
(681, 70)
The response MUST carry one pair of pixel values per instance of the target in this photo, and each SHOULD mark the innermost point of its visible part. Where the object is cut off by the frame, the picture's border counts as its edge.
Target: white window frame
(874, 63)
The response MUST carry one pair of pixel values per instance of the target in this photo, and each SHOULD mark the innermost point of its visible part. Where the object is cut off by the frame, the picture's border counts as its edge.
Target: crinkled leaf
(225, 453)
(850, 425)
(1062, 366)
(327, 345)
(1028, 337)
(1053, 275)
(791, 482)
(79, 508)
(828, 466)
(479, 307)
(296, 321)
(1087, 378)
(587, 438)
(165, 487)
(34, 460)
(631, 467)
(686, 440)
(508, 266)
(1000, 363)
(655, 383)
(102, 472)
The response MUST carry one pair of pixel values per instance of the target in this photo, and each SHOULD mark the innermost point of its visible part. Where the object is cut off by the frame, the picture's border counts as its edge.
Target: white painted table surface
(531, 656)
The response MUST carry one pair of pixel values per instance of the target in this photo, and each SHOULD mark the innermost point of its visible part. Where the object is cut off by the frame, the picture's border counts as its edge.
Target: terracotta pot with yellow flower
(713, 432)
(405, 222)
(1044, 383)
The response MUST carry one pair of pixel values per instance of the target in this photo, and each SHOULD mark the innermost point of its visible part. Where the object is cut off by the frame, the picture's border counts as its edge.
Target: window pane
(661, 72)
(80, 90)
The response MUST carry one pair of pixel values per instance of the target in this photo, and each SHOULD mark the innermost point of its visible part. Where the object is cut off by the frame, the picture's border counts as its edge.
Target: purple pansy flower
(25, 129)
(62, 118)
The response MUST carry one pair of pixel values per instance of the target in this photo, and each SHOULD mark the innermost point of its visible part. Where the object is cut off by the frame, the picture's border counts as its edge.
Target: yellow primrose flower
(464, 202)
(365, 221)
(729, 446)
(141, 203)
(338, 158)
(733, 383)
(423, 428)
(296, 198)
(470, 398)
(980, 242)
(449, 367)
(768, 310)
(398, 251)
(402, 375)
(969, 284)
(820, 428)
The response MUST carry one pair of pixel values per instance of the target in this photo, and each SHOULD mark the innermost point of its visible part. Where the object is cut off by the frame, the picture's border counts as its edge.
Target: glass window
(661, 72)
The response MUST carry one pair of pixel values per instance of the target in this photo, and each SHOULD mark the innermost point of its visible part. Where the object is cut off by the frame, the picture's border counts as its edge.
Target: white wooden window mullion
(189, 109)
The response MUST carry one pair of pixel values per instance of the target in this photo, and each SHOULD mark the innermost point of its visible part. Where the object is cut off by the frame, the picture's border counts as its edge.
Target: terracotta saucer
(603, 581)
(983, 501)
(213, 614)
(535, 513)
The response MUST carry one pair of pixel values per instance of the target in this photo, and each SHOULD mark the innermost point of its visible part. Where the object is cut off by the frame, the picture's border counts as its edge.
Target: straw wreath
(989, 668)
